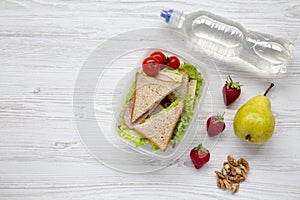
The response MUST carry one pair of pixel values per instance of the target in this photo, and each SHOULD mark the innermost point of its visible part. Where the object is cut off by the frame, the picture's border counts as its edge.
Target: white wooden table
(43, 45)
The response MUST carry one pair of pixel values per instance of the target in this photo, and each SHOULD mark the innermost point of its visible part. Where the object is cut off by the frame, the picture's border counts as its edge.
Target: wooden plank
(43, 45)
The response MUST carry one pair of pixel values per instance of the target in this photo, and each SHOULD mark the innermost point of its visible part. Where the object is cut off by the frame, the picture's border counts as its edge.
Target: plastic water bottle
(230, 39)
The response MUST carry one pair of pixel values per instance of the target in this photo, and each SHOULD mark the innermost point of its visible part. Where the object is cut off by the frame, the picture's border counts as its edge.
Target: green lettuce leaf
(184, 121)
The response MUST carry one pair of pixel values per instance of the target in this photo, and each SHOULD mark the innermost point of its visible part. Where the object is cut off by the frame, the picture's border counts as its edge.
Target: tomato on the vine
(151, 66)
(160, 56)
(173, 62)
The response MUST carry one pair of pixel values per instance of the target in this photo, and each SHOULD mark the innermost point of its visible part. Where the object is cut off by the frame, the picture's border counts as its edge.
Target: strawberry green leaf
(231, 84)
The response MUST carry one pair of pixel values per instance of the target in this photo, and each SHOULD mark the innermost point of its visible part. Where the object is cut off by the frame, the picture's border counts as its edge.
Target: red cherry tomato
(160, 56)
(151, 66)
(173, 62)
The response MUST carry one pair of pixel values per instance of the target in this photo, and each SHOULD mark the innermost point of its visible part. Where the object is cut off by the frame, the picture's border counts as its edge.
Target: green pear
(254, 121)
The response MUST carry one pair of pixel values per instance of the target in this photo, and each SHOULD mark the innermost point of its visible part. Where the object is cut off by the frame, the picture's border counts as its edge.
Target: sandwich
(158, 109)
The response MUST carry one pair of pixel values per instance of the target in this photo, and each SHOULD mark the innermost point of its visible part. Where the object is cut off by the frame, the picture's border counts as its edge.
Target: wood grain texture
(44, 43)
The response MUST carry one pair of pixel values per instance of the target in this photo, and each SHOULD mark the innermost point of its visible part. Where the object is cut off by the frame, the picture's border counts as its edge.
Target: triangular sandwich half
(148, 93)
(159, 129)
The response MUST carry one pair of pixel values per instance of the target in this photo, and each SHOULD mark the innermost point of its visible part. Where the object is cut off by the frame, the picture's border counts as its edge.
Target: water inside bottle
(273, 56)
(217, 37)
(230, 39)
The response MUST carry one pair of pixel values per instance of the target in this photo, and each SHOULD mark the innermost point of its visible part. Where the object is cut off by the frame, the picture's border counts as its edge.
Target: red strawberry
(231, 91)
(199, 155)
(215, 125)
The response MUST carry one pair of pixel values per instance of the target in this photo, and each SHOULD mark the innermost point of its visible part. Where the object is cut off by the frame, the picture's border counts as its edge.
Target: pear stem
(269, 88)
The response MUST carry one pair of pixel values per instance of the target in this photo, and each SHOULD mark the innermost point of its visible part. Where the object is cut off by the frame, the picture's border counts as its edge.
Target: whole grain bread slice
(148, 93)
(159, 129)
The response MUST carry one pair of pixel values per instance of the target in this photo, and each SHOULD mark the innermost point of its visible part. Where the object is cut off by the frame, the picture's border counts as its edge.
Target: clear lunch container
(103, 84)
(120, 96)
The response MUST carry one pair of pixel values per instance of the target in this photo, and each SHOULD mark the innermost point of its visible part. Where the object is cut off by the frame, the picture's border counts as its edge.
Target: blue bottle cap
(166, 14)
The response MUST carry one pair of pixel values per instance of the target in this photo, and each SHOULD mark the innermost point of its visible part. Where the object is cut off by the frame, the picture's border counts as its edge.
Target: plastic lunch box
(108, 74)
